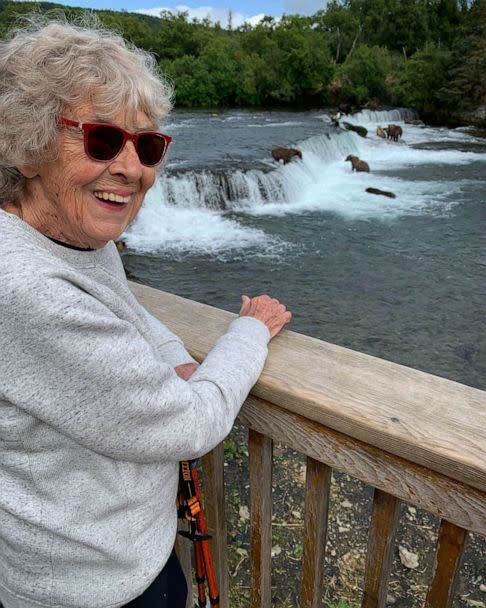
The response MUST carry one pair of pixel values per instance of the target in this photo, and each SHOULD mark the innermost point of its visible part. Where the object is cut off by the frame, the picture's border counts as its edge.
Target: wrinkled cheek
(135, 211)
(76, 210)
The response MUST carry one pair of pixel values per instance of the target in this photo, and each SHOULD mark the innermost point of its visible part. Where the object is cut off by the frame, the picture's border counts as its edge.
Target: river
(402, 279)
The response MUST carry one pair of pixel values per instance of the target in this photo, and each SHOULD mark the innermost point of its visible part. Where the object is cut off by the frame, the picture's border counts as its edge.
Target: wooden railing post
(260, 462)
(384, 521)
(359, 415)
(451, 543)
(214, 507)
(318, 487)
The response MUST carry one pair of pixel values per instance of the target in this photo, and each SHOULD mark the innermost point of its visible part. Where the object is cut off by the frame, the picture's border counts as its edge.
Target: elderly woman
(98, 400)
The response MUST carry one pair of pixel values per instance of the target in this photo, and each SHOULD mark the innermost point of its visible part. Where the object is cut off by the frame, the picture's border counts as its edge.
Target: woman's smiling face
(85, 202)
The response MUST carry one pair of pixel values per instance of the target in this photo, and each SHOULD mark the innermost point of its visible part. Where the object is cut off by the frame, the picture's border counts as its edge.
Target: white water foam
(180, 230)
(188, 211)
(341, 191)
(320, 182)
(275, 124)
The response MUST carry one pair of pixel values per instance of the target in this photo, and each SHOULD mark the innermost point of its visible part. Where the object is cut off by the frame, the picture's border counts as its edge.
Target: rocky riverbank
(471, 118)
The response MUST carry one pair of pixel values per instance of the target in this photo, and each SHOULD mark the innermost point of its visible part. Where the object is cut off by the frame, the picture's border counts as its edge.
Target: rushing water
(402, 279)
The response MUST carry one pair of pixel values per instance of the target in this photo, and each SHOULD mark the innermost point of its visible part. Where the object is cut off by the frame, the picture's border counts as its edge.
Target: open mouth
(109, 199)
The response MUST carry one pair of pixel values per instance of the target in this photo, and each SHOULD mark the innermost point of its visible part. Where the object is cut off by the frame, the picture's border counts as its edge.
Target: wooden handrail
(424, 419)
(414, 437)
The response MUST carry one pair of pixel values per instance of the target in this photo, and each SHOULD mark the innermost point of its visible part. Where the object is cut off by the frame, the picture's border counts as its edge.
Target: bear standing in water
(357, 164)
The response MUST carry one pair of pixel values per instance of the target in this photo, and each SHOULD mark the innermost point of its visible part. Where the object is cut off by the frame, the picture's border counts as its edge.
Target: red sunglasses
(104, 141)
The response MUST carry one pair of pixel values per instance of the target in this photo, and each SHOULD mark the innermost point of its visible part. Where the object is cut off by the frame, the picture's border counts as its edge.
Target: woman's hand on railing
(267, 310)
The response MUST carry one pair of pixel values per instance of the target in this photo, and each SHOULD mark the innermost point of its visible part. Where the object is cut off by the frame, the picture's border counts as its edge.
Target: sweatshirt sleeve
(70, 362)
(169, 346)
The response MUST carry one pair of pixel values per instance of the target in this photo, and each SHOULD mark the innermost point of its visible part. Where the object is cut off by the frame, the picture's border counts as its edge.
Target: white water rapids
(206, 211)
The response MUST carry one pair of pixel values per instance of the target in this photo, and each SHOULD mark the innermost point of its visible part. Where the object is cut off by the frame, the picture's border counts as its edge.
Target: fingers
(268, 310)
(245, 306)
(276, 325)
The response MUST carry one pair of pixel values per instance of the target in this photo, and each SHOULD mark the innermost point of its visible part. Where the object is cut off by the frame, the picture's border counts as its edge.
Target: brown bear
(357, 164)
(285, 154)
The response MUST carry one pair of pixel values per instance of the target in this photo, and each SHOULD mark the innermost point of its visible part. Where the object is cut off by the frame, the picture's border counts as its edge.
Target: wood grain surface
(214, 508)
(317, 492)
(422, 418)
(379, 556)
(451, 543)
(447, 498)
(260, 452)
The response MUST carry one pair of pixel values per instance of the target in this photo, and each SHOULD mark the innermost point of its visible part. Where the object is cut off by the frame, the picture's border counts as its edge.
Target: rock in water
(382, 192)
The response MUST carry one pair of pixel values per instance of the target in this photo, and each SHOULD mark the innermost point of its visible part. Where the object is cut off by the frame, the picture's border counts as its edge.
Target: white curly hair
(48, 65)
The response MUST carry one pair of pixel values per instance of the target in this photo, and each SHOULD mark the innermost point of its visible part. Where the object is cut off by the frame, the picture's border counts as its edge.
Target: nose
(127, 163)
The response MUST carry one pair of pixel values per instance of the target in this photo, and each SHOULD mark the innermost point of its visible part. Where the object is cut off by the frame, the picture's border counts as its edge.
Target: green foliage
(194, 87)
(234, 451)
(302, 67)
(404, 26)
(365, 73)
(219, 58)
(424, 76)
(424, 53)
(466, 85)
(340, 27)
(255, 81)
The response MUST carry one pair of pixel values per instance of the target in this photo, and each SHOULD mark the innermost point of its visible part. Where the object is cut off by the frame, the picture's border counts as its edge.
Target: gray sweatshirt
(93, 423)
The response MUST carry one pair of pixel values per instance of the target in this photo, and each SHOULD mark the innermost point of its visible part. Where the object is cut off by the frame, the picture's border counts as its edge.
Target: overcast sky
(216, 10)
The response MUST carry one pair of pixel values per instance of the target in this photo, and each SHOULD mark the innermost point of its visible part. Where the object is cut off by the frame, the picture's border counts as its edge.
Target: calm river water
(402, 279)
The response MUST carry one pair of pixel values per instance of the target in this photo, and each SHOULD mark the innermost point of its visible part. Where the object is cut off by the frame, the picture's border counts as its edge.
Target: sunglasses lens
(151, 148)
(104, 143)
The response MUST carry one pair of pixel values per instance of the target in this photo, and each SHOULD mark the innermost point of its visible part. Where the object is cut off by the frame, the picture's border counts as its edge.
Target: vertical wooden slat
(379, 557)
(318, 486)
(183, 549)
(451, 543)
(214, 508)
(260, 463)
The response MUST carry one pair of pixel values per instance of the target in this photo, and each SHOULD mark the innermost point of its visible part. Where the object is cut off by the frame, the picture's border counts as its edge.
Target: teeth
(109, 196)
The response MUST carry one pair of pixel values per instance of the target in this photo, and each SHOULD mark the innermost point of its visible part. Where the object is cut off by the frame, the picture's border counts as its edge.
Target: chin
(112, 233)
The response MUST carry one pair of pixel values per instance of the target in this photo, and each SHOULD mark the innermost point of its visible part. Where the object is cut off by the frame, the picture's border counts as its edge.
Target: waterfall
(237, 190)
(381, 116)
(219, 207)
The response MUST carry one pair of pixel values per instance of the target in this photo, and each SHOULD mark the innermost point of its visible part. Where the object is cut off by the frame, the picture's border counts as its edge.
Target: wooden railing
(414, 437)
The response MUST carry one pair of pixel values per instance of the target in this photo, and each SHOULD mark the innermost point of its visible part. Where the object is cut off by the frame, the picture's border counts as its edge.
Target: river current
(402, 279)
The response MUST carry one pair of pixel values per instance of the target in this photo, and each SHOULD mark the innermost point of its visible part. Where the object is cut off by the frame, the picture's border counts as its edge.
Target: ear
(28, 171)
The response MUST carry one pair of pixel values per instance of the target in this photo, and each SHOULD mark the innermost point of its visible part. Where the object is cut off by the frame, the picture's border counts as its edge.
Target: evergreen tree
(430, 54)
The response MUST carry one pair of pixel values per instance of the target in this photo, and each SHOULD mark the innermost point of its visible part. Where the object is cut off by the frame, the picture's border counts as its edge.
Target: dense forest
(425, 54)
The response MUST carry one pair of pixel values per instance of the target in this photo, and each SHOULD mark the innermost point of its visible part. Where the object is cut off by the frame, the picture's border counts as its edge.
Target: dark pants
(169, 589)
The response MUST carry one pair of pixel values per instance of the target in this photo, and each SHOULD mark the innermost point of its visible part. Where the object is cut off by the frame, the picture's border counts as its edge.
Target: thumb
(245, 304)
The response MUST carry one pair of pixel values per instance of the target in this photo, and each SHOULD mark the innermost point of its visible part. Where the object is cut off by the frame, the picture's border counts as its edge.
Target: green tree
(424, 76)
(220, 60)
(400, 25)
(193, 82)
(391, 51)
(254, 82)
(259, 46)
(340, 26)
(466, 87)
(445, 18)
(302, 61)
(178, 37)
(363, 76)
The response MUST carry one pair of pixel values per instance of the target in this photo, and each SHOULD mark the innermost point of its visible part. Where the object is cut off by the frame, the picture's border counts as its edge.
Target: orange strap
(189, 509)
